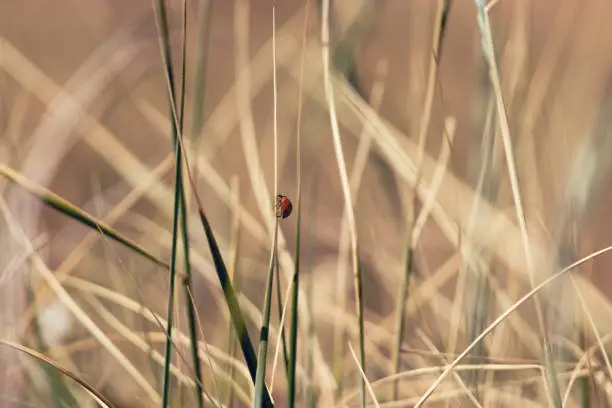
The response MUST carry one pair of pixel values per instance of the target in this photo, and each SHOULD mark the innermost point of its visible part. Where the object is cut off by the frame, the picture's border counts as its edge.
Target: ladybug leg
(278, 207)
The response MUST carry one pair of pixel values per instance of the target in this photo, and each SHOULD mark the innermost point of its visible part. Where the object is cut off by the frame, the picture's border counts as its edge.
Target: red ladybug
(283, 206)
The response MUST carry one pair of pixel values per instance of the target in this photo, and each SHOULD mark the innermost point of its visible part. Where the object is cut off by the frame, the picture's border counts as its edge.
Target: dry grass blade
(346, 190)
(582, 362)
(457, 377)
(359, 165)
(146, 347)
(599, 339)
(413, 239)
(502, 317)
(489, 51)
(416, 373)
(80, 250)
(78, 312)
(123, 301)
(199, 324)
(450, 126)
(365, 379)
(100, 399)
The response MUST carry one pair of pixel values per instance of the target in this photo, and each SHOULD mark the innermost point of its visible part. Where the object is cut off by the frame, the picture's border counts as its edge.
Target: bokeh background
(84, 113)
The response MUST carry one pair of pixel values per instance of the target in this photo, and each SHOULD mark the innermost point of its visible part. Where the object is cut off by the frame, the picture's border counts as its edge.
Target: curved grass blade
(100, 399)
(57, 203)
(449, 367)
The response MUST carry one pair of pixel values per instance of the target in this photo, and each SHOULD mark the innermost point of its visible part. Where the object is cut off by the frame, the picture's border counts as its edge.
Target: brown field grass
(84, 113)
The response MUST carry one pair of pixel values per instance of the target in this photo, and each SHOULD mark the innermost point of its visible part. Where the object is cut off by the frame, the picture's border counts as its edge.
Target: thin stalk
(180, 206)
(293, 328)
(200, 68)
(235, 239)
(311, 394)
(265, 326)
(294, 310)
(489, 53)
(370, 389)
(329, 93)
(161, 21)
(584, 383)
(359, 165)
(281, 328)
(260, 377)
(170, 318)
(400, 304)
(414, 227)
(190, 303)
(411, 242)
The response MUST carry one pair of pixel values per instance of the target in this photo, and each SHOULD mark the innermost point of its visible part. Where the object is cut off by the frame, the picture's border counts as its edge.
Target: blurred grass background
(84, 114)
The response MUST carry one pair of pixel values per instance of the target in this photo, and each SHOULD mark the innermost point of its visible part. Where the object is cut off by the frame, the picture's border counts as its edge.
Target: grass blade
(329, 93)
(279, 303)
(489, 53)
(60, 392)
(502, 317)
(293, 328)
(370, 390)
(198, 86)
(260, 378)
(57, 203)
(232, 302)
(265, 324)
(180, 205)
(100, 399)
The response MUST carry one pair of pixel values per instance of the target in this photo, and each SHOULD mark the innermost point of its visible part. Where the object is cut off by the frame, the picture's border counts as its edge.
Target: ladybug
(283, 206)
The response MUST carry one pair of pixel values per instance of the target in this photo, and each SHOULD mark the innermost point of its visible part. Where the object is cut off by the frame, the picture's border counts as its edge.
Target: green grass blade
(232, 303)
(311, 394)
(293, 328)
(57, 203)
(170, 316)
(191, 310)
(199, 80)
(161, 20)
(180, 205)
(220, 268)
(280, 317)
(401, 310)
(584, 382)
(262, 353)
